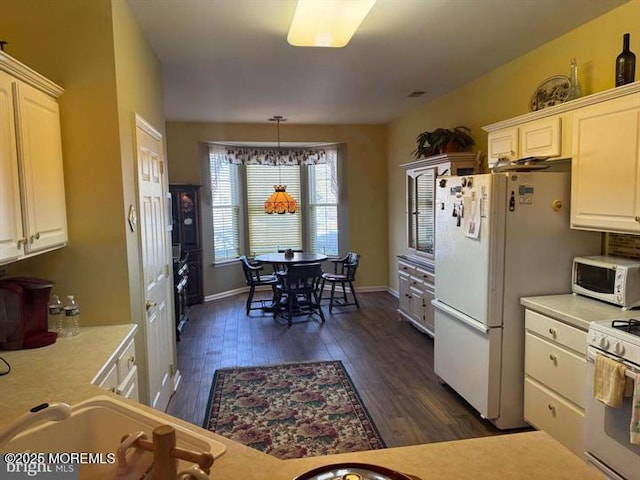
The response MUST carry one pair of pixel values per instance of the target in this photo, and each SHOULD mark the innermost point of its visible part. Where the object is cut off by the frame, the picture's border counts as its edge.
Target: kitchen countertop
(62, 372)
(576, 310)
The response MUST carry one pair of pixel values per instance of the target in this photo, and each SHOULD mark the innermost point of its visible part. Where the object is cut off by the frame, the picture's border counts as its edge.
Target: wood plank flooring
(389, 361)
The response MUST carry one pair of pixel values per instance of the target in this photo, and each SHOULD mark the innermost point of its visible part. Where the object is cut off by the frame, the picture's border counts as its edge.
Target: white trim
(33, 78)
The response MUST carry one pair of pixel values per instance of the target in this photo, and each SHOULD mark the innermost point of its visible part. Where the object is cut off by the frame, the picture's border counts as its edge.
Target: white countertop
(576, 310)
(62, 372)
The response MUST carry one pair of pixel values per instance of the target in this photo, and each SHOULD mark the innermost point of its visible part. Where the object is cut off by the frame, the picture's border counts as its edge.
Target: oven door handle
(630, 370)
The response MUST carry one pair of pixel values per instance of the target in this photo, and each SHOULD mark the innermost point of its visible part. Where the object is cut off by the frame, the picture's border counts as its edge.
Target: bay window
(243, 178)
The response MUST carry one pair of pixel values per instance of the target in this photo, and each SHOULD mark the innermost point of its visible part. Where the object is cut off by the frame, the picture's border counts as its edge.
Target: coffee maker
(24, 313)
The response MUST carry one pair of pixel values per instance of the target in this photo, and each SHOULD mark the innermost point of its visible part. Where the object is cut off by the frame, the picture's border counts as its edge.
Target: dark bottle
(625, 64)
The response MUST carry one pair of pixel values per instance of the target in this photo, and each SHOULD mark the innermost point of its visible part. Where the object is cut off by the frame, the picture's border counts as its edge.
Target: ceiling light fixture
(280, 201)
(326, 23)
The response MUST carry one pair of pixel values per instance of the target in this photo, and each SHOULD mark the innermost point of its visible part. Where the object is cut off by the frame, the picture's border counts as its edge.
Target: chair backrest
(303, 276)
(350, 265)
(251, 272)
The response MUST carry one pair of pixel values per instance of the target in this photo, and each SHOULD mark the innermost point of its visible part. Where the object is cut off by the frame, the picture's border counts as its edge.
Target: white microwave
(611, 279)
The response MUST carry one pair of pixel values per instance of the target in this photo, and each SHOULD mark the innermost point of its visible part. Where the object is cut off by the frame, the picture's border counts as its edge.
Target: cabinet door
(10, 211)
(605, 181)
(403, 291)
(503, 144)
(541, 138)
(40, 153)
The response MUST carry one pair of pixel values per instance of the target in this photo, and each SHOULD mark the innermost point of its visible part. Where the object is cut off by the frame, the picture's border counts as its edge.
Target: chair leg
(321, 291)
(353, 292)
(344, 292)
(319, 306)
(333, 292)
(250, 298)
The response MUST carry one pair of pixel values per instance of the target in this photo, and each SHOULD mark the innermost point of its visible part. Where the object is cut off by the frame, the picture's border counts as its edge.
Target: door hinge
(172, 370)
(166, 270)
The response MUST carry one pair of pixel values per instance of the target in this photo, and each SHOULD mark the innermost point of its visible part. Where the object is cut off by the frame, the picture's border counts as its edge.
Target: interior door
(155, 263)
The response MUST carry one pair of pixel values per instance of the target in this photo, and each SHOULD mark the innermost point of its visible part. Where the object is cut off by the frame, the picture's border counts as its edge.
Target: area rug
(291, 410)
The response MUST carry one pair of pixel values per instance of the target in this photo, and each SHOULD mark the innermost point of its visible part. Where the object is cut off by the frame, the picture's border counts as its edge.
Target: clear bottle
(71, 317)
(574, 85)
(56, 315)
(625, 63)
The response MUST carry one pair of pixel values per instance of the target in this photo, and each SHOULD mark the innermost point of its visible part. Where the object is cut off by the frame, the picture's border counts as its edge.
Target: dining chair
(344, 272)
(297, 293)
(255, 279)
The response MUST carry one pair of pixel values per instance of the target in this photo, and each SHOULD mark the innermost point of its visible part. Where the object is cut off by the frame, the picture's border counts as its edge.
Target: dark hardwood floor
(389, 361)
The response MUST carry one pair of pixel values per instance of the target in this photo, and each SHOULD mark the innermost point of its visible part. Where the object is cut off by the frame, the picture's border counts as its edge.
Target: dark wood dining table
(298, 257)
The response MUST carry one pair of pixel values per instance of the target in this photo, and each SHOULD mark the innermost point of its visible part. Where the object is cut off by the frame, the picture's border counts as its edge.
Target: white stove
(618, 338)
(607, 440)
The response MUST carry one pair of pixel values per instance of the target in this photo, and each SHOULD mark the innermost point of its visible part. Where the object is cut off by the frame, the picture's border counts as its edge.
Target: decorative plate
(553, 91)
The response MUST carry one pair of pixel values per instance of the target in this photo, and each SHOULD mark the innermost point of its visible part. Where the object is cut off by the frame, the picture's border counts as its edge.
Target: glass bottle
(71, 317)
(625, 63)
(574, 85)
(56, 315)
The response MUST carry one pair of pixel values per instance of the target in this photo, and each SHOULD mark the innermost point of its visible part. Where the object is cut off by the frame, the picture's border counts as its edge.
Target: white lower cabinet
(415, 291)
(120, 373)
(555, 378)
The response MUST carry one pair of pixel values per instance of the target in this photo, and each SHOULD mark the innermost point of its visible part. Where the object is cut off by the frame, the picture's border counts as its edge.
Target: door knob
(149, 304)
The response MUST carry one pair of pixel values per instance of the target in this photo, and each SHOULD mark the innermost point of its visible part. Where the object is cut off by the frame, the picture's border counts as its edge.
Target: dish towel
(608, 381)
(635, 412)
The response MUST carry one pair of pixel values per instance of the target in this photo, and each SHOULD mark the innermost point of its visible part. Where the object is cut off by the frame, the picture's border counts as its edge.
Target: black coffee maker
(24, 313)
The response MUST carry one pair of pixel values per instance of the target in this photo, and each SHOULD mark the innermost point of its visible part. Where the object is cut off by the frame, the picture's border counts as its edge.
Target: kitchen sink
(97, 426)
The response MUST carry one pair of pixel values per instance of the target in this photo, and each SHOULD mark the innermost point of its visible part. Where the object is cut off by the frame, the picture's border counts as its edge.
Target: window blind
(268, 233)
(225, 208)
(323, 209)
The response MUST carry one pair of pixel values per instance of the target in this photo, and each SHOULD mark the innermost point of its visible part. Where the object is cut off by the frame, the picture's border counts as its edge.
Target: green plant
(443, 140)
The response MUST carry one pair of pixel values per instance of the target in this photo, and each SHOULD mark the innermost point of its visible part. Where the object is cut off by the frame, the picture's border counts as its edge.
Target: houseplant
(443, 140)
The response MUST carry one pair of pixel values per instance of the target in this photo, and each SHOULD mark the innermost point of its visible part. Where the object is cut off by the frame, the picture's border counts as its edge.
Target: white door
(467, 212)
(155, 263)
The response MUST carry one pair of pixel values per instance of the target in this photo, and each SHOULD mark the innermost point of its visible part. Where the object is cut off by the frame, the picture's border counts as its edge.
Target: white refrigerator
(499, 237)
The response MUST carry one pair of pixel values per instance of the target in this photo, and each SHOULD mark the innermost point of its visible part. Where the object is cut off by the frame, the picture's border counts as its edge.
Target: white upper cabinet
(538, 138)
(32, 198)
(605, 184)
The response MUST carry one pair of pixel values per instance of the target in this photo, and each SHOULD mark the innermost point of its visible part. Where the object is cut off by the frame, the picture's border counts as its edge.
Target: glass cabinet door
(421, 214)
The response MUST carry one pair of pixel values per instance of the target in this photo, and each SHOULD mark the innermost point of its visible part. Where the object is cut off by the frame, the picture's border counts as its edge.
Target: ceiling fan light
(327, 23)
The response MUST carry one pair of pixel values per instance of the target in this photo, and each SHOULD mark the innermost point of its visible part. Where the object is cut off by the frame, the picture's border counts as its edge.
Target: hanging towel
(635, 412)
(608, 381)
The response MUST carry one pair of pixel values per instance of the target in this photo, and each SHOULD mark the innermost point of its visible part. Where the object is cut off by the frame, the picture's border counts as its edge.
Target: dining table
(280, 258)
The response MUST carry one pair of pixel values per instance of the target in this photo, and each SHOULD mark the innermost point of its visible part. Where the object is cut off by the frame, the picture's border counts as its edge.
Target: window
(225, 207)
(239, 190)
(267, 233)
(323, 208)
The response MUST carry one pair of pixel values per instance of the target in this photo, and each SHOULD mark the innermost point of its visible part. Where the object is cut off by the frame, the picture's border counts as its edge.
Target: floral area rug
(291, 410)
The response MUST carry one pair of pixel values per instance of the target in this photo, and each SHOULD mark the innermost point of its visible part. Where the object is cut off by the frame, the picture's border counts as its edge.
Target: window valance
(274, 156)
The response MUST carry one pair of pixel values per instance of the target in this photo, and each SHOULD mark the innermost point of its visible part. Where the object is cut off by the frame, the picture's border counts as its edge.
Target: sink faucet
(38, 414)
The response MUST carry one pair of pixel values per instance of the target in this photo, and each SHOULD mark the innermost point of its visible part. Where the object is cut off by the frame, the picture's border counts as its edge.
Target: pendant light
(280, 201)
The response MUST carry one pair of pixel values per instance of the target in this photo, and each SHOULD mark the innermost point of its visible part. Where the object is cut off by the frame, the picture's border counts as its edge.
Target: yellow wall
(505, 93)
(366, 185)
(97, 53)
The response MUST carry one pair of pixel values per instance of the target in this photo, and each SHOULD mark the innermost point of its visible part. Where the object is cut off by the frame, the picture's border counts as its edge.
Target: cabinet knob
(131, 361)
(637, 218)
(552, 408)
(21, 242)
(35, 236)
(553, 358)
(552, 332)
(149, 304)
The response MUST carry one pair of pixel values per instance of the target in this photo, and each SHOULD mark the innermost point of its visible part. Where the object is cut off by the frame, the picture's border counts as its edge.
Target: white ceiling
(229, 60)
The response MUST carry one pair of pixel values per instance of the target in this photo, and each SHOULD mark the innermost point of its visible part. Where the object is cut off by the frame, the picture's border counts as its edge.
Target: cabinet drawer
(424, 276)
(406, 268)
(126, 360)
(128, 388)
(110, 379)
(556, 331)
(558, 369)
(548, 412)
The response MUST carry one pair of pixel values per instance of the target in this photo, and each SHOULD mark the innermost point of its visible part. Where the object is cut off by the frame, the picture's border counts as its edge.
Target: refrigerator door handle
(466, 319)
